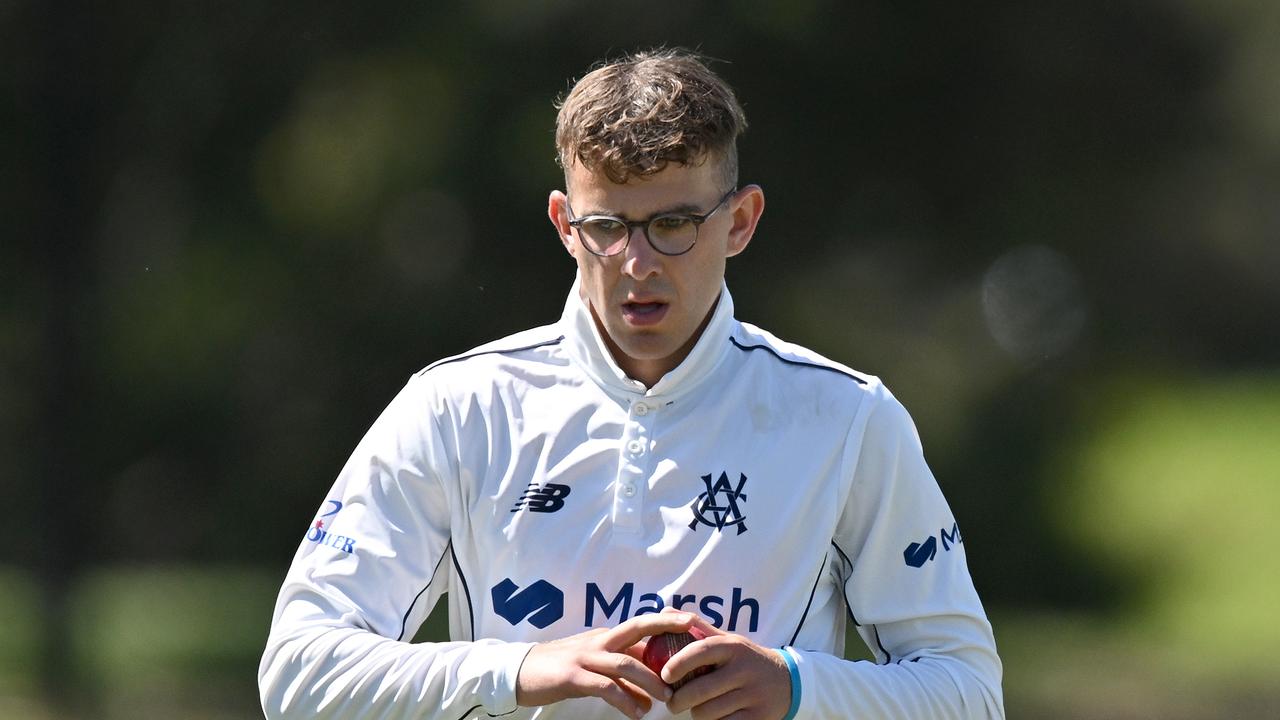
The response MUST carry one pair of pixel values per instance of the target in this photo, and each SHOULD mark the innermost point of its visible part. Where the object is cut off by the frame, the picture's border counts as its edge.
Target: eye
(603, 227)
(670, 223)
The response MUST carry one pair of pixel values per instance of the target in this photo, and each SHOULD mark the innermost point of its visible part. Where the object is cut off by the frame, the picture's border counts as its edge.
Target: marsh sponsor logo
(712, 607)
(540, 604)
(919, 553)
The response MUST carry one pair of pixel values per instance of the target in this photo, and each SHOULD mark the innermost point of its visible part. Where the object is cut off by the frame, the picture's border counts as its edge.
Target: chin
(646, 351)
(641, 350)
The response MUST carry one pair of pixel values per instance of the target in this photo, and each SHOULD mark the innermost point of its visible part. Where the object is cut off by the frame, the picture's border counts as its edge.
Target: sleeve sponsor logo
(919, 553)
(321, 535)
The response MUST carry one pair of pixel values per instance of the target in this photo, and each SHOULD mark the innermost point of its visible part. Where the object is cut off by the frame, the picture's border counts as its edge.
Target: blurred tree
(230, 232)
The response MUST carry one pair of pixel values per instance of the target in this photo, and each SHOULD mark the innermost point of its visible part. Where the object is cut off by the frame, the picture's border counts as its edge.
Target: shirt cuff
(504, 660)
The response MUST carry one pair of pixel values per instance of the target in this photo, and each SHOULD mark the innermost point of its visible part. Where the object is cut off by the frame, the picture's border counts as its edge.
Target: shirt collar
(588, 350)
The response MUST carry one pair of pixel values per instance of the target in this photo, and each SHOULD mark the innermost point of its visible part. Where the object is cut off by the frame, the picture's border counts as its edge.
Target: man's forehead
(675, 188)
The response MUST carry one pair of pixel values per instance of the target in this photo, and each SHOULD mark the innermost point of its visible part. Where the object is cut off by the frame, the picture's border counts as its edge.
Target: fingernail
(667, 693)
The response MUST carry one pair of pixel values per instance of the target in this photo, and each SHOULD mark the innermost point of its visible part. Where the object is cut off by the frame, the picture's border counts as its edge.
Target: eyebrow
(680, 209)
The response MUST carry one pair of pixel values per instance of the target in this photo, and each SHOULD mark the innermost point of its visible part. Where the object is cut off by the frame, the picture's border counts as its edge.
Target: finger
(746, 675)
(621, 699)
(699, 691)
(709, 653)
(707, 628)
(722, 706)
(637, 628)
(622, 667)
(637, 651)
(636, 692)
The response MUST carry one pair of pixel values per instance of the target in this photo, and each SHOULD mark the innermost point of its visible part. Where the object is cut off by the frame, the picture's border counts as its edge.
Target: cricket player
(645, 464)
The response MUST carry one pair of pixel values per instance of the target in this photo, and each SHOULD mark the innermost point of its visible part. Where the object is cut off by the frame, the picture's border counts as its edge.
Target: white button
(642, 409)
(635, 447)
(629, 490)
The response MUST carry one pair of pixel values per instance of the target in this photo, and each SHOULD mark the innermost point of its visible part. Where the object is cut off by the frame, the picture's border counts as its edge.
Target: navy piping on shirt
(790, 361)
(888, 658)
(504, 351)
(467, 714)
(405, 620)
(809, 604)
(848, 606)
(471, 613)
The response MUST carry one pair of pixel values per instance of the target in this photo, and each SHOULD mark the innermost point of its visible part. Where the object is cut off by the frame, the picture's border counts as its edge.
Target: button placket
(634, 467)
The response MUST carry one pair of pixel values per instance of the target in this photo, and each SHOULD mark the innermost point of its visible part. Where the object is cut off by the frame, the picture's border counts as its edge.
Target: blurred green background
(229, 232)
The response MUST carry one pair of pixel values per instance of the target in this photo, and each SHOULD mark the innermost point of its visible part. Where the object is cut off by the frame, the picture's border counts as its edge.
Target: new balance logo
(919, 553)
(541, 603)
(542, 498)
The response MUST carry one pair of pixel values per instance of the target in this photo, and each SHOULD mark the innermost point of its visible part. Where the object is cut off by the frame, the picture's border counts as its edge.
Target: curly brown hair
(631, 117)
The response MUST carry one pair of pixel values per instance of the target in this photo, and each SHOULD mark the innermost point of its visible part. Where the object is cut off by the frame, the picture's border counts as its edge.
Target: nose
(640, 260)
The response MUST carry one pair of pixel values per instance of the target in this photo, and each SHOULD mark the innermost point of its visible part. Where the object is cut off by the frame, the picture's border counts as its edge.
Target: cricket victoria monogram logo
(542, 498)
(718, 506)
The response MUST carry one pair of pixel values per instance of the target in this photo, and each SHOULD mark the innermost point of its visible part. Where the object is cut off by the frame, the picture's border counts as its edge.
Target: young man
(646, 464)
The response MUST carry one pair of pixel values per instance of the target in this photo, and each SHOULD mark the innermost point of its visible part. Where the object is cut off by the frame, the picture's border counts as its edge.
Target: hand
(749, 682)
(603, 663)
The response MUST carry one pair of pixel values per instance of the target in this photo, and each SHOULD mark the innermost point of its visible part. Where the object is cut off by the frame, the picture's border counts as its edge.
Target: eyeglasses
(669, 234)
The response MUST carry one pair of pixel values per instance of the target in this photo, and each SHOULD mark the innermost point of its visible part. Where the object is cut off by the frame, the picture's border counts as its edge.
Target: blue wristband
(795, 682)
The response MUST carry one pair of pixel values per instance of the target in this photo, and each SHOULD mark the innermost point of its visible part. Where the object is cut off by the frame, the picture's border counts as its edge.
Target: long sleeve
(909, 591)
(367, 572)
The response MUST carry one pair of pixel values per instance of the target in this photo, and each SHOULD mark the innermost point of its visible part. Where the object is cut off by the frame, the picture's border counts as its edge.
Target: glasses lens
(603, 235)
(673, 234)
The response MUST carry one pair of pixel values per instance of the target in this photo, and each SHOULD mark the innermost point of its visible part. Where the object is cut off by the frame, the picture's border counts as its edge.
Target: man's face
(652, 307)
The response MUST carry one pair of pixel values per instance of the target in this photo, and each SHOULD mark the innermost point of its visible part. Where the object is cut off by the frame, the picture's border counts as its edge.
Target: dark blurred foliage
(230, 231)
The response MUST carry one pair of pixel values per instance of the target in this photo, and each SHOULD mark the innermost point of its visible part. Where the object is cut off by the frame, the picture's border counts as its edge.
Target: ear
(746, 207)
(558, 212)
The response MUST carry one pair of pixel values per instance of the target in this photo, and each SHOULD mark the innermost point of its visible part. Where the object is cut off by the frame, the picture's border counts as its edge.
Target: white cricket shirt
(780, 495)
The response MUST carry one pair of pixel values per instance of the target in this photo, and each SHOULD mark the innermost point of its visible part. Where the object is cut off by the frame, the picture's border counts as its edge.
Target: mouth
(644, 313)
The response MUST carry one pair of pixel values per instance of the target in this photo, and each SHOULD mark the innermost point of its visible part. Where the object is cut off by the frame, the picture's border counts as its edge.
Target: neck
(649, 371)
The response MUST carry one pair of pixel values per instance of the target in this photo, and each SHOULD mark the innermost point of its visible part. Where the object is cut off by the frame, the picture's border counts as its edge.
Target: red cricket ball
(659, 649)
